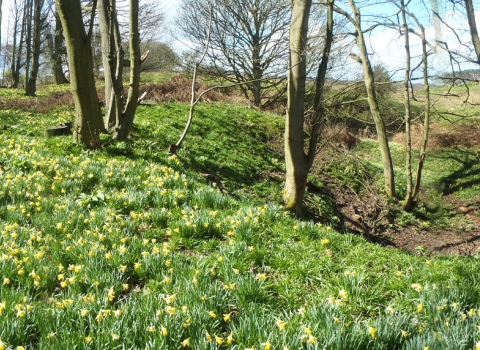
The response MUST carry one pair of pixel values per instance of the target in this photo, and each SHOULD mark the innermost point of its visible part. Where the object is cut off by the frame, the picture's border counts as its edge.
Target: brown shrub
(340, 136)
(462, 135)
(179, 89)
(40, 104)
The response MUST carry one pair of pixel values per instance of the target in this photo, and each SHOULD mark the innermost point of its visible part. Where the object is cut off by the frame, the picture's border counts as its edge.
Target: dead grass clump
(440, 137)
(178, 89)
(41, 104)
(339, 135)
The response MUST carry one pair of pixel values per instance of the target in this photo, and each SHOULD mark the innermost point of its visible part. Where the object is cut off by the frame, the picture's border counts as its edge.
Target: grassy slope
(129, 247)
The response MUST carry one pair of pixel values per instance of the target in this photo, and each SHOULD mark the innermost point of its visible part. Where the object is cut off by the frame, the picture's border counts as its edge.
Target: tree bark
(57, 51)
(296, 160)
(124, 123)
(1, 3)
(31, 87)
(373, 103)
(17, 62)
(88, 122)
(28, 43)
(318, 107)
(408, 201)
(473, 28)
(112, 58)
(426, 121)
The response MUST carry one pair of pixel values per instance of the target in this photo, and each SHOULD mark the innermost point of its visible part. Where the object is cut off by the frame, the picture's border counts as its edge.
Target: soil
(371, 217)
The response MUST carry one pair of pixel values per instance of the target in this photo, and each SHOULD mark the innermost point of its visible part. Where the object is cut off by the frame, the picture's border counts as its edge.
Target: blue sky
(385, 43)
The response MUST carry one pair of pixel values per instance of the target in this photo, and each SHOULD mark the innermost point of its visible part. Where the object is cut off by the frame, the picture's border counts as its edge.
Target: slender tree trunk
(1, 3)
(124, 123)
(17, 64)
(408, 201)
(31, 88)
(28, 43)
(426, 121)
(296, 160)
(473, 28)
(373, 103)
(14, 44)
(112, 58)
(319, 110)
(257, 73)
(88, 122)
(57, 51)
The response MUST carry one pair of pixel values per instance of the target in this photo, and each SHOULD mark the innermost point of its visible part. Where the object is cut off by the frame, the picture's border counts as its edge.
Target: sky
(385, 43)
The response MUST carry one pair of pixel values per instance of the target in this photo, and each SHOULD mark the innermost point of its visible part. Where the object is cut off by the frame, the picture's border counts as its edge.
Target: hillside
(130, 247)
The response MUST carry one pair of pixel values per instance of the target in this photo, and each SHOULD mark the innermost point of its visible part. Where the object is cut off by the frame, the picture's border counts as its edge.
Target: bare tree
(248, 42)
(124, 122)
(113, 59)
(364, 60)
(18, 41)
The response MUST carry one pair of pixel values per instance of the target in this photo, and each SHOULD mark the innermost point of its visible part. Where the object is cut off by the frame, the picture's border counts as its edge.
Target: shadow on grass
(228, 141)
(466, 174)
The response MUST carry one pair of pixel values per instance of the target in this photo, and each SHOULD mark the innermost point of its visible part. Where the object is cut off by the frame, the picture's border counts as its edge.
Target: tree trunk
(57, 51)
(112, 58)
(17, 64)
(296, 160)
(88, 122)
(373, 103)
(257, 72)
(318, 107)
(1, 3)
(31, 88)
(473, 28)
(408, 201)
(124, 123)
(28, 43)
(426, 121)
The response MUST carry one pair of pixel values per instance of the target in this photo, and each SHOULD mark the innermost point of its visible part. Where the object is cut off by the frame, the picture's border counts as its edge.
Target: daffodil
(373, 332)
(281, 324)
(208, 336)
(170, 310)
(311, 339)
(84, 312)
(417, 286)
(186, 343)
(219, 340)
(111, 294)
(420, 307)
(170, 299)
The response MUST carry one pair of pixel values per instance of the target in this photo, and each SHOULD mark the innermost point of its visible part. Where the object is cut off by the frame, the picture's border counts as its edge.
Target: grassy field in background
(129, 247)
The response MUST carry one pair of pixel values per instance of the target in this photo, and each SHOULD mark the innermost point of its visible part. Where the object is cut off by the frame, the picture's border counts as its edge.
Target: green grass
(129, 247)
